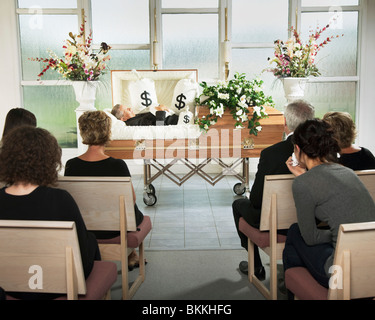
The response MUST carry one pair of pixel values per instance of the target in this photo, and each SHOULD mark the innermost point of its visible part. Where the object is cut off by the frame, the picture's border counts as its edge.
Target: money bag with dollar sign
(184, 94)
(185, 118)
(143, 95)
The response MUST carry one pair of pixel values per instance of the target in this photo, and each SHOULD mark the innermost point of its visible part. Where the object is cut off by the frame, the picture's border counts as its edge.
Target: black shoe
(244, 267)
(259, 272)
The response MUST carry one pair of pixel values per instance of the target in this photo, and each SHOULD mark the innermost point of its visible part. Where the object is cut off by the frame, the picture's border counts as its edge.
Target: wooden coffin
(222, 140)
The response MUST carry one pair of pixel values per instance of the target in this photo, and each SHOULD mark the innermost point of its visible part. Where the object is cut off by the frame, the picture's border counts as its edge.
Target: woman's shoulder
(75, 159)
(367, 152)
(53, 191)
(118, 162)
(322, 171)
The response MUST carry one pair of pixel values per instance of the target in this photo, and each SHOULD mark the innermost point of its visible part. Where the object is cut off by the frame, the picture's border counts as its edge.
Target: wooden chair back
(41, 257)
(98, 201)
(279, 212)
(107, 204)
(284, 208)
(368, 179)
(354, 262)
(278, 202)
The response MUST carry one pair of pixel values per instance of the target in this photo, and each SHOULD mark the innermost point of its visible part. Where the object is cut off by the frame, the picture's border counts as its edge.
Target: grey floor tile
(193, 216)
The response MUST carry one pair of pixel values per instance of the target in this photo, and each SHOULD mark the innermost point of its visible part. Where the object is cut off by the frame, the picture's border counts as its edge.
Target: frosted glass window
(253, 62)
(39, 34)
(325, 3)
(62, 4)
(190, 4)
(120, 60)
(332, 97)
(339, 57)
(190, 41)
(54, 108)
(259, 20)
(120, 21)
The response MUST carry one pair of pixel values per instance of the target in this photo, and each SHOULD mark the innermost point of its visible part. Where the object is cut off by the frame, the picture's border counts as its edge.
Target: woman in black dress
(95, 130)
(29, 162)
(351, 156)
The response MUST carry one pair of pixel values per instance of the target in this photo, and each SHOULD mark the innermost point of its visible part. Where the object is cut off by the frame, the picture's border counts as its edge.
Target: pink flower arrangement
(295, 59)
(79, 61)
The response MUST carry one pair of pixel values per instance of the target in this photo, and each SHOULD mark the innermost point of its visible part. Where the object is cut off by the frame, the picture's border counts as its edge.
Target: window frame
(339, 79)
(155, 21)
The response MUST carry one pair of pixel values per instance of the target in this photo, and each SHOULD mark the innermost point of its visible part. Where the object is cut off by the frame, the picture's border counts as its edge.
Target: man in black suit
(272, 161)
(127, 115)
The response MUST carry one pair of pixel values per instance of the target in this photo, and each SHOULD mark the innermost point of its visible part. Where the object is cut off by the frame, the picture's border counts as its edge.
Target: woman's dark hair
(316, 139)
(18, 117)
(30, 155)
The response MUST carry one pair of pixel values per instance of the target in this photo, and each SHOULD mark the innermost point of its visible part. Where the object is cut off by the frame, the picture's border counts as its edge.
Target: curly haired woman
(29, 162)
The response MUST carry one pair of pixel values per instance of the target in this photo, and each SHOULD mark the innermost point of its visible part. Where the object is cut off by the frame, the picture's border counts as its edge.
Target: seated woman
(17, 117)
(29, 162)
(323, 190)
(95, 129)
(351, 156)
(127, 115)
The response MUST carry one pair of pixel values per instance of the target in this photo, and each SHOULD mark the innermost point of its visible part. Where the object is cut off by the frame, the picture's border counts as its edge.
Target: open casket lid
(165, 82)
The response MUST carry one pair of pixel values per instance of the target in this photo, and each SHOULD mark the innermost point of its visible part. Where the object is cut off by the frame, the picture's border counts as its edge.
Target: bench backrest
(98, 199)
(281, 186)
(40, 256)
(354, 262)
(368, 179)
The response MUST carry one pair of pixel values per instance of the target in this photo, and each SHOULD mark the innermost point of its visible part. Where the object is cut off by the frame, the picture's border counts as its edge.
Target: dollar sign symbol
(186, 119)
(148, 101)
(181, 104)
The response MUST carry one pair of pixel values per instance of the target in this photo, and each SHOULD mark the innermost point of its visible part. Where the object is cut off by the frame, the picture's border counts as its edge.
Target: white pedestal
(85, 92)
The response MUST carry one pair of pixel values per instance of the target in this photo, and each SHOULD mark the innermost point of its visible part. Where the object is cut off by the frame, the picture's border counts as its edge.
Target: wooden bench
(106, 203)
(45, 257)
(279, 212)
(353, 274)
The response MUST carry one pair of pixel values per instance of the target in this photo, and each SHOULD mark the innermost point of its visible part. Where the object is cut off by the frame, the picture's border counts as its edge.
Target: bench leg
(250, 259)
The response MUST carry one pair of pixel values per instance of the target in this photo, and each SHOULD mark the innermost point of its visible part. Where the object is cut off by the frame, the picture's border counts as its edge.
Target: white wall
(366, 121)
(10, 96)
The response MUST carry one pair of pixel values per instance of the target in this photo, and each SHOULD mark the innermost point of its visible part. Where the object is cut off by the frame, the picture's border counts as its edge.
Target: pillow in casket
(184, 94)
(142, 95)
(120, 131)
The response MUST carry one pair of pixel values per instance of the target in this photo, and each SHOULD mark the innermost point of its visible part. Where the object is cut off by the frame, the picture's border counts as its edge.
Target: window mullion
(86, 6)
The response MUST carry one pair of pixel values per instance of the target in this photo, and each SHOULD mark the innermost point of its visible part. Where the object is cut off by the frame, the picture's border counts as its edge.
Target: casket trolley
(162, 147)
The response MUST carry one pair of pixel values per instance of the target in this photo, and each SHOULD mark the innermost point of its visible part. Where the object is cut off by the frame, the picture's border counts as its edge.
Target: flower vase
(85, 92)
(294, 88)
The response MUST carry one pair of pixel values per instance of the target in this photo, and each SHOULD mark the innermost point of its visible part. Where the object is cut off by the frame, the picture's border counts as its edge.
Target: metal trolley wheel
(151, 189)
(149, 199)
(239, 189)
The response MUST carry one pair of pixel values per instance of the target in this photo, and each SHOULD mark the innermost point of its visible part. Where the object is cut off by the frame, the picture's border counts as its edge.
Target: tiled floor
(195, 215)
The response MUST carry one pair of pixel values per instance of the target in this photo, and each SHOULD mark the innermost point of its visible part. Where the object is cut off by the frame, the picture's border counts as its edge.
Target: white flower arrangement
(238, 96)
